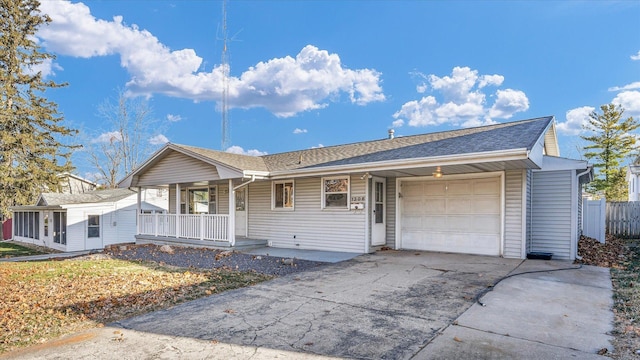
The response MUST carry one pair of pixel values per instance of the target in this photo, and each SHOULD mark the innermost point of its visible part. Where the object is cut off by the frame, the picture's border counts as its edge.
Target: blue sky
(318, 73)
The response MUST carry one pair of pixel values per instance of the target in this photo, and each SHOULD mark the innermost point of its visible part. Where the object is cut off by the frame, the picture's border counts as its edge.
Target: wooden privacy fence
(623, 219)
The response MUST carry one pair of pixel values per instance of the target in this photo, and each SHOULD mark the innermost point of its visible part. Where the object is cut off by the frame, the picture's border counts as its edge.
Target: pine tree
(612, 141)
(31, 130)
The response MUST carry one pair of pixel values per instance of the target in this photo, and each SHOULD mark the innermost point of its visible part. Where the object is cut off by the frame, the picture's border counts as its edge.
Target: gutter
(253, 178)
(445, 160)
(588, 171)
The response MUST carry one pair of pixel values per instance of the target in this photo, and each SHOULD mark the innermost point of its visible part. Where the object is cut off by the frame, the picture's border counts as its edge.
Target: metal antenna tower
(225, 138)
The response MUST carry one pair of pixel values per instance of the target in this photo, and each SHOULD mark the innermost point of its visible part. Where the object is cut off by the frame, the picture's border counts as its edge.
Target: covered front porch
(207, 197)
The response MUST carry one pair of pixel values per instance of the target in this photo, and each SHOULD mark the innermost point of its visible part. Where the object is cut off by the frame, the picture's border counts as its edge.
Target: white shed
(92, 220)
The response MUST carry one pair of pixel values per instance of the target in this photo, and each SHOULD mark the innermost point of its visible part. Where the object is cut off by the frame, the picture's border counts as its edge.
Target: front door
(378, 213)
(241, 212)
(93, 231)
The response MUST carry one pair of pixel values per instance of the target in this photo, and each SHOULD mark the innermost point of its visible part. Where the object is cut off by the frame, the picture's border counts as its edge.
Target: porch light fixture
(438, 173)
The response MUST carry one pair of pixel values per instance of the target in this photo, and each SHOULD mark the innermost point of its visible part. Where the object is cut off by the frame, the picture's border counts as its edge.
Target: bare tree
(120, 148)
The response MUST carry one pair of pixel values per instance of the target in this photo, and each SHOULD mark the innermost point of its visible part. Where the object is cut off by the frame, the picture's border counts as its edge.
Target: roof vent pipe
(391, 131)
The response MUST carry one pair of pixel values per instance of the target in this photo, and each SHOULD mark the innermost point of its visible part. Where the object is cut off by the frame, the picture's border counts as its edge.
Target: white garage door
(460, 216)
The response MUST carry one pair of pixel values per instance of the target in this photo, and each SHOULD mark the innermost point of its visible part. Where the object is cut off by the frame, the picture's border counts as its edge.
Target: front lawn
(43, 300)
(8, 250)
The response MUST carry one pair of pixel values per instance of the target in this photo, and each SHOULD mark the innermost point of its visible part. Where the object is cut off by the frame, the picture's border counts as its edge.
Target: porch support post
(232, 214)
(178, 201)
(138, 210)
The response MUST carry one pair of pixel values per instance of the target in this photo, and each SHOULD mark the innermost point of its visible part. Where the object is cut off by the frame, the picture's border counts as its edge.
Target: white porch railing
(202, 227)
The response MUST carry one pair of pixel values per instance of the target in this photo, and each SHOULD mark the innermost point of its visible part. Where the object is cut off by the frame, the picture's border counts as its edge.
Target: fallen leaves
(43, 300)
(606, 254)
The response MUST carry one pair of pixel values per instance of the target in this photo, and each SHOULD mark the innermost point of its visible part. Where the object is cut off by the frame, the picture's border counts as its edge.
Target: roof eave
(35, 208)
(445, 160)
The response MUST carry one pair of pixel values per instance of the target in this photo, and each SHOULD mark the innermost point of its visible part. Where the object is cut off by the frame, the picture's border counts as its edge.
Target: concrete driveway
(393, 305)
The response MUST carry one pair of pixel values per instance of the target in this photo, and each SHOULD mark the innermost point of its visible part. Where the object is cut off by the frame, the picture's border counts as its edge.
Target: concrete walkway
(544, 315)
(394, 305)
(313, 255)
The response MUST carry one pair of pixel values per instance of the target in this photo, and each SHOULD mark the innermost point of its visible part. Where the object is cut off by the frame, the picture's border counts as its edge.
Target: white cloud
(636, 56)
(158, 140)
(398, 123)
(421, 88)
(108, 137)
(317, 147)
(575, 120)
(630, 102)
(486, 80)
(300, 131)
(285, 86)
(460, 101)
(239, 150)
(632, 86)
(508, 102)
(174, 118)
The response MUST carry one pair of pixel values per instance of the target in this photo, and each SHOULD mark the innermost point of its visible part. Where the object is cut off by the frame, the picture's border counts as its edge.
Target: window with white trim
(335, 192)
(93, 226)
(282, 195)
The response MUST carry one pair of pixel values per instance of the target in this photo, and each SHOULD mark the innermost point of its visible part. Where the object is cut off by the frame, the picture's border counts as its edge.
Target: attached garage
(462, 215)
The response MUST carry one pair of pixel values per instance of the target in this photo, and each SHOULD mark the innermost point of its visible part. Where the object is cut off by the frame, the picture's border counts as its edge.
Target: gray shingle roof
(512, 135)
(238, 161)
(516, 135)
(505, 136)
(98, 196)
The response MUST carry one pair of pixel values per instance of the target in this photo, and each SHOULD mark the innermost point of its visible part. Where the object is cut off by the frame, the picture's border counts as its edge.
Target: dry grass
(43, 300)
(626, 297)
(623, 257)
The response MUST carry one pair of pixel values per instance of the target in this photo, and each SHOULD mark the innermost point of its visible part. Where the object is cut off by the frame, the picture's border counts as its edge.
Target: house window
(335, 192)
(241, 199)
(93, 226)
(46, 224)
(282, 195)
(183, 201)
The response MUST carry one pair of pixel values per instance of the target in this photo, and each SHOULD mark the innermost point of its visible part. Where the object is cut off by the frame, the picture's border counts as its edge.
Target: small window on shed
(93, 226)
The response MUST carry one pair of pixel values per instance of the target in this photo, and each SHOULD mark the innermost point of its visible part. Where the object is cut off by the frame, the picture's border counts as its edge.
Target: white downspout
(178, 202)
(138, 210)
(232, 214)
(578, 176)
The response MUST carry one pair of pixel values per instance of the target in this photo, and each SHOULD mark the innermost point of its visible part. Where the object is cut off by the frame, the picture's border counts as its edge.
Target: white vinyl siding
(513, 221)
(551, 222)
(308, 226)
(178, 168)
(391, 213)
(223, 198)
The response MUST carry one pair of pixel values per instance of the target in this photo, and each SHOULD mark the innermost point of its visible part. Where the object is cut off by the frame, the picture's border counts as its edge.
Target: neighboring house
(69, 184)
(92, 220)
(495, 190)
(74, 184)
(633, 179)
